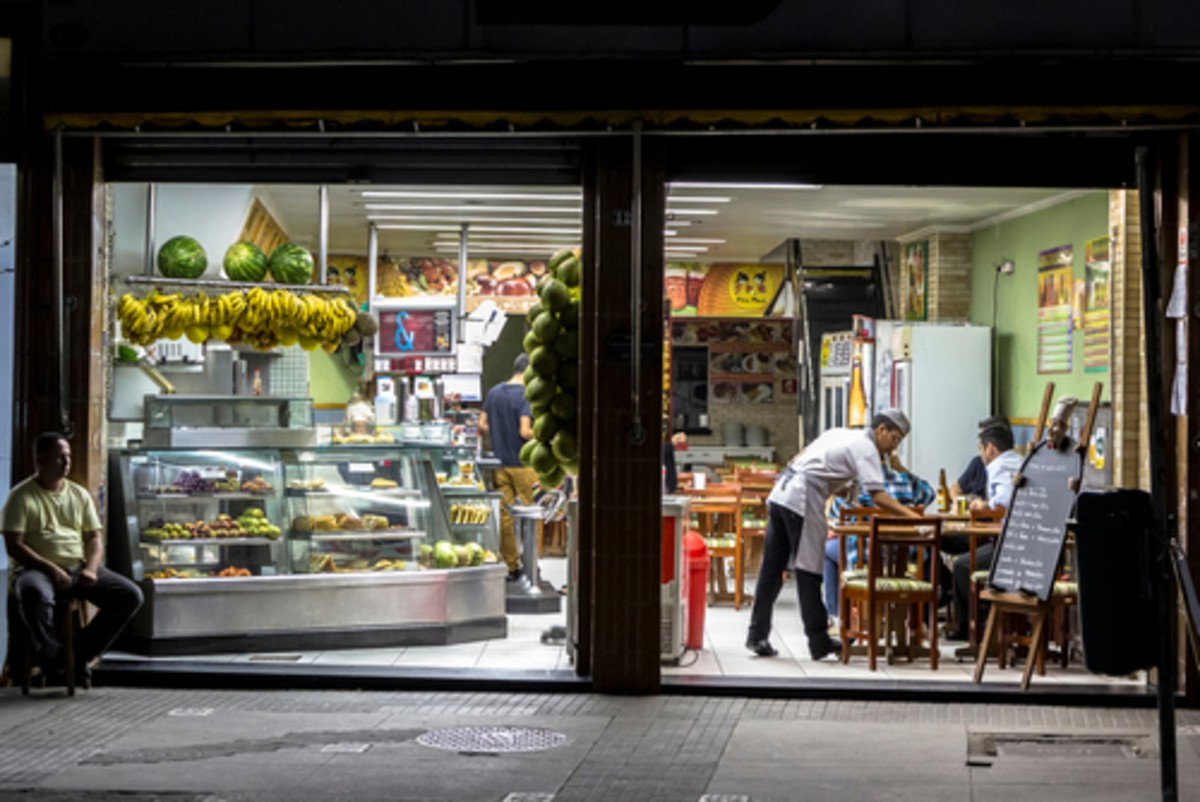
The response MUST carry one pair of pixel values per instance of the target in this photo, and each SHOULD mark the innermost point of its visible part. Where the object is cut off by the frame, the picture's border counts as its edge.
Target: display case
(374, 510)
(472, 510)
(267, 549)
(205, 514)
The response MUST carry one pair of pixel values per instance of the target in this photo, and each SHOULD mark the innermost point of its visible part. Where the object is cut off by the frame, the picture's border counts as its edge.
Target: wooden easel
(1019, 603)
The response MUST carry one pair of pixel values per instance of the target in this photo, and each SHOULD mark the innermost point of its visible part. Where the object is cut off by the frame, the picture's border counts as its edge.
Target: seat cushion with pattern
(896, 584)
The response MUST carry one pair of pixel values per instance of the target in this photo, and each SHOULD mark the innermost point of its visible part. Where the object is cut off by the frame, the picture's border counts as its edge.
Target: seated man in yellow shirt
(54, 540)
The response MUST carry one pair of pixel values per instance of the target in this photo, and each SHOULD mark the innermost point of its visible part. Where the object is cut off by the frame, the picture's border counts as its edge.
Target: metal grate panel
(493, 739)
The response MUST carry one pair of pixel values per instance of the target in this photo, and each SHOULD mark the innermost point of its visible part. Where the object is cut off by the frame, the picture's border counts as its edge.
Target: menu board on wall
(511, 285)
(1097, 336)
(1054, 309)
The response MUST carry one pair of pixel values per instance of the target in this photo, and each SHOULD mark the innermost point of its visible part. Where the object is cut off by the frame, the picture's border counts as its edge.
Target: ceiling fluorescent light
(698, 199)
(418, 227)
(735, 185)
(442, 239)
(687, 248)
(476, 233)
(469, 218)
(484, 245)
(540, 250)
(517, 196)
(691, 212)
(434, 207)
(682, 255)
(697, 241)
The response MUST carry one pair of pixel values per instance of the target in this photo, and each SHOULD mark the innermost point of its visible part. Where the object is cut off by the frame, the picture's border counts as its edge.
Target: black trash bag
(1117, 614)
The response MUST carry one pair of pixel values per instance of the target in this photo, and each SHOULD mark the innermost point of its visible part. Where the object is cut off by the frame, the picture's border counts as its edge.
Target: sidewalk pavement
(183, 745)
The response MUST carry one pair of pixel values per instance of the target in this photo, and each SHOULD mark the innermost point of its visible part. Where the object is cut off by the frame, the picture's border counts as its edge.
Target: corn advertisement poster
(1054, 287)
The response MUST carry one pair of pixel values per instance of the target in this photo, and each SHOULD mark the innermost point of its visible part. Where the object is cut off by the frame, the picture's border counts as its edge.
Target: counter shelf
(210, 541)
(360, 534)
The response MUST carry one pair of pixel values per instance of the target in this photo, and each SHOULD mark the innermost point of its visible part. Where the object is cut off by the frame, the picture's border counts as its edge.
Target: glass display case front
(208, 513)
(371, 510)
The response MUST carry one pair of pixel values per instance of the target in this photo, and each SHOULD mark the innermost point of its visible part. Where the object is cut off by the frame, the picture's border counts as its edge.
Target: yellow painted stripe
(663, 118)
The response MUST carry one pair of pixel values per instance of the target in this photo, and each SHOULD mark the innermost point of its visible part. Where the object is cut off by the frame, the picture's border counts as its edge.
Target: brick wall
(1130, 460)
(780, 419)
(949, 291)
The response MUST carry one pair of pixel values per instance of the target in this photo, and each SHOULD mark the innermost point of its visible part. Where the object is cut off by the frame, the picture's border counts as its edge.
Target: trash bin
(695, 555)
(1117, 615)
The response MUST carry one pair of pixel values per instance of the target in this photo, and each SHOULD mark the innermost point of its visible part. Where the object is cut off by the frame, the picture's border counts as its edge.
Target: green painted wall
(330, 379)
(1071, 223)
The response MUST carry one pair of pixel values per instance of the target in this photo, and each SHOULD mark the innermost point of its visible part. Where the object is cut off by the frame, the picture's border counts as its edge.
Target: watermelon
(245, 261)
(292, 264)
(182, 257)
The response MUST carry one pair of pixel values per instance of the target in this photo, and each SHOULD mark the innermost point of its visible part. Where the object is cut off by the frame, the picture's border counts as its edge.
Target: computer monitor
(467, 386)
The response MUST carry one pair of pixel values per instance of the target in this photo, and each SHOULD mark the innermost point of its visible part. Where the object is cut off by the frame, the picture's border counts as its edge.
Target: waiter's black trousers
(782, 539)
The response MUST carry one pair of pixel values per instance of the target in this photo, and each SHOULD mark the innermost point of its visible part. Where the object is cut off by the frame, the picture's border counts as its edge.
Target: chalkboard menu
(1036, 525)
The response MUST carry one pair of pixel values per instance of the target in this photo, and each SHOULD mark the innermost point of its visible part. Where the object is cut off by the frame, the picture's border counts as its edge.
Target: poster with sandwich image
(512, 285)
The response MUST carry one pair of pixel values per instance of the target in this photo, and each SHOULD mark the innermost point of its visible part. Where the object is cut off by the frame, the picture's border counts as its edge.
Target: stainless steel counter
(321, 610)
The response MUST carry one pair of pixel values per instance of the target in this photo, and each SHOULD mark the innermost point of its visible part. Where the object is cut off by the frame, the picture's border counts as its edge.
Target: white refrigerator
(941, 376)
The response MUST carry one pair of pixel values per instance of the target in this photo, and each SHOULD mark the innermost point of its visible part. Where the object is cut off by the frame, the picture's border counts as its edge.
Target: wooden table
(953, 524)
(719, 507)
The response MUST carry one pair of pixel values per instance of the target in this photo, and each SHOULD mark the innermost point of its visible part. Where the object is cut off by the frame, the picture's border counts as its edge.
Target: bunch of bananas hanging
(261, 318)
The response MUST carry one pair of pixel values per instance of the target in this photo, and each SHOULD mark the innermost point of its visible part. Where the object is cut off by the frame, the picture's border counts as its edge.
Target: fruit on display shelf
(553, 375)
(251, 523)
(182, 257)
(291, 264)
(259, 317)
(245, 261)
(444, 555)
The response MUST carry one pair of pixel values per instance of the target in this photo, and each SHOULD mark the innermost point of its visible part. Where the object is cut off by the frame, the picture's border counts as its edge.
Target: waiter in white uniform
(796, 526)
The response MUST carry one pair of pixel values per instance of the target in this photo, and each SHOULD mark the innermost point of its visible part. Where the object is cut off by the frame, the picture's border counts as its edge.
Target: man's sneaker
(762, 648)
(513, 576)
(822, 650)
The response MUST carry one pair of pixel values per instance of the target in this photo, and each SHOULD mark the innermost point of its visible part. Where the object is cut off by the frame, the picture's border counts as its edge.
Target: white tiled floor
(724, 653)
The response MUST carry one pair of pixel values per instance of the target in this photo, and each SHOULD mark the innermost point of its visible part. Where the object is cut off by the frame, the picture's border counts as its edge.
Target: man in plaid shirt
(907, 488)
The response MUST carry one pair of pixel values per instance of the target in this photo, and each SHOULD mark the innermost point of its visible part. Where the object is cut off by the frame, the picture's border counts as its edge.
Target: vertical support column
(1128, 340)
(620, 483)
(1189, 434)
(36, 383)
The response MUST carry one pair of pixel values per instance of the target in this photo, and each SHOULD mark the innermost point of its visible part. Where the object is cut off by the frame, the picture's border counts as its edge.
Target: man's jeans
(117, 598)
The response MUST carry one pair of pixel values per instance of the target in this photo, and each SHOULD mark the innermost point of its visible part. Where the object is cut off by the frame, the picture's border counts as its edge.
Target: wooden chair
(978, 577)
(895, 576)
(70, 616)
(756, 487)
(718, 512)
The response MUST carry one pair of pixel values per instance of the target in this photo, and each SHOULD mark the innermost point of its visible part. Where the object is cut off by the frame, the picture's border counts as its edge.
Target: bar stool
(70, 616)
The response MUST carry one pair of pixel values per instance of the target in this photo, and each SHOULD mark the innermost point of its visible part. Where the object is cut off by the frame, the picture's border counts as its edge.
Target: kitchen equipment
(733, 433)
(756, 436)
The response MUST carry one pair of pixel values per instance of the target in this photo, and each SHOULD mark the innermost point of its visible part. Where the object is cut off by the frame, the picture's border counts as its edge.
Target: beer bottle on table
(943, 492)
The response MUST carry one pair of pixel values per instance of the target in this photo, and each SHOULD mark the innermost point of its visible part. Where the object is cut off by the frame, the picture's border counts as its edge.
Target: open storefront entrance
(1001, 233)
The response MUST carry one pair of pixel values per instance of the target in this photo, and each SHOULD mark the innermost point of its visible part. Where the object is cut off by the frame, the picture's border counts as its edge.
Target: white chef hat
(896, 418)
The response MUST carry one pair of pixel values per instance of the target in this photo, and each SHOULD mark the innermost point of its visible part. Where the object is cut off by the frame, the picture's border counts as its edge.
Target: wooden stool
(70, 616)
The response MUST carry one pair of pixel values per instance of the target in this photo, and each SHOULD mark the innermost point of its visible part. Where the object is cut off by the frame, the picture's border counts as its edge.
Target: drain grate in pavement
(984, 747)
(493, 740)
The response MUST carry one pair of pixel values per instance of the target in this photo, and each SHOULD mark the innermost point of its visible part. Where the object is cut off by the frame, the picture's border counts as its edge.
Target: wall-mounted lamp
(1005, 267)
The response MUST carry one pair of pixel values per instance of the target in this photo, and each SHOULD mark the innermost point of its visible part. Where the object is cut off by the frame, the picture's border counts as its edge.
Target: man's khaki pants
(512, 482)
